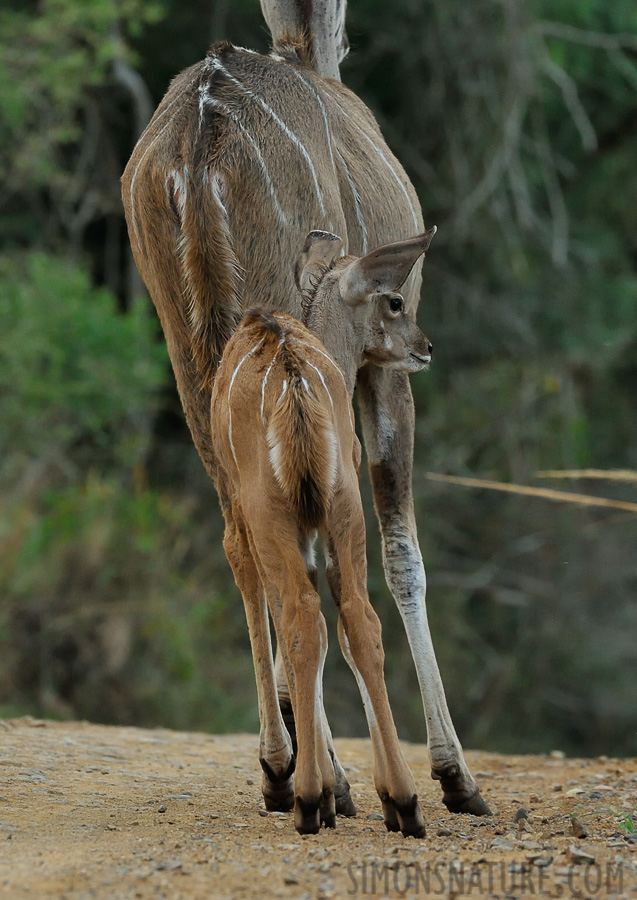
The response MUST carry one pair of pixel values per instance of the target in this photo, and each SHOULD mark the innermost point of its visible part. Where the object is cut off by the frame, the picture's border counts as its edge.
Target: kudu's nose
(430, 347)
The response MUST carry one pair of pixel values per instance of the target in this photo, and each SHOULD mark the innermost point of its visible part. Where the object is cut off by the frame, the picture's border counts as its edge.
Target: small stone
(264, 813)
(501, 843)
(530, 845)
(578, 829)
(162, 809)
(250, 781)
(557, 754)
(534, 798)
(522, 813)
(375, 817)
(556, 788)
(579, 856)
(291, 879)
(444, 832)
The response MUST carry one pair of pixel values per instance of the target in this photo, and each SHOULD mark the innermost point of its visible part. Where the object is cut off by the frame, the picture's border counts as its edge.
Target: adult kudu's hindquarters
(244, 156)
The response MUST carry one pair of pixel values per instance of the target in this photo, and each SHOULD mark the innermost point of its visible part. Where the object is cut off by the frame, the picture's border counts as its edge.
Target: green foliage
(627, 824)
(51, 65)
(516, 123)
(72, 368)
(104, 615)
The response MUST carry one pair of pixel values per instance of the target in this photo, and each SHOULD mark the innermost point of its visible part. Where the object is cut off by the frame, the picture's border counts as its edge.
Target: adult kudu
(244, 156)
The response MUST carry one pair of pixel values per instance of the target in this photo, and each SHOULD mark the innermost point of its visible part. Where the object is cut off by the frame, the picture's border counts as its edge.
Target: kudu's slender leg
(342, 794)
(359, 632)
(387, 416)
(275, 747)
(302, 633)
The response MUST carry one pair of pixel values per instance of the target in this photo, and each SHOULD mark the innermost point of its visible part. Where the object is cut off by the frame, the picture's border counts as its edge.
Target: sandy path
(89, 811)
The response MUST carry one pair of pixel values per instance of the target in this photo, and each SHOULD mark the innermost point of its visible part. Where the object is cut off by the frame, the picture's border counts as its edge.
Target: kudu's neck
(341, 331)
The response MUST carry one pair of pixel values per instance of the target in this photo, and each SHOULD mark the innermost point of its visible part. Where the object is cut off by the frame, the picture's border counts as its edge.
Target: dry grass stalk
(545, 493)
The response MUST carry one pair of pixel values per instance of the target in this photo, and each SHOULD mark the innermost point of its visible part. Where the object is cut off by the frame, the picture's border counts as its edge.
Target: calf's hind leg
(361, 642)
(302, 633)
(275, 747)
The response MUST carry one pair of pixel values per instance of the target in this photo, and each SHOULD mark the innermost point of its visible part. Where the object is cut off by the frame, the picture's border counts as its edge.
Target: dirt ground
(90, 811)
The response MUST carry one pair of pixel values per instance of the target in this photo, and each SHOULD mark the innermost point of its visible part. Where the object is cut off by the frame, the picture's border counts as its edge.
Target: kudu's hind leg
(359, 632)
(387, 416)
(302, 635)
(342, 794)
(275, 747)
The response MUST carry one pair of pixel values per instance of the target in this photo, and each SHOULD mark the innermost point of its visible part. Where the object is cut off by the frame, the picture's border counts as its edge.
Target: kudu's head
(353, 304)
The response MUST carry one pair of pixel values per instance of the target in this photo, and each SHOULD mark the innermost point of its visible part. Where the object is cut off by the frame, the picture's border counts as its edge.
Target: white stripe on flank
(338, 369)
(320, 375)
(180, 186)
(234, 375)
(142, 157)
(319, 99)
(215, 65)
(267, 375)
(382, 156)
(358, 212)
(206, 100)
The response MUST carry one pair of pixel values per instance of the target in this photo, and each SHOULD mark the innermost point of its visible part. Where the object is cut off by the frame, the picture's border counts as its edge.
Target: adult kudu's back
(244, 156)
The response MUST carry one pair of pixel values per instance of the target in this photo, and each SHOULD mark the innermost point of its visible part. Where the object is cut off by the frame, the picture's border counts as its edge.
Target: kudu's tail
(301, 433)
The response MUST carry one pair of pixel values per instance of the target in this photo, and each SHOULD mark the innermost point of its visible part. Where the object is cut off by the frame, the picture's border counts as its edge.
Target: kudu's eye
(396, 304)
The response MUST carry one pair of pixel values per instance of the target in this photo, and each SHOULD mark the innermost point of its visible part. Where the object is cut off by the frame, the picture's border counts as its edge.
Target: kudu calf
(283, 433)
(244, 156)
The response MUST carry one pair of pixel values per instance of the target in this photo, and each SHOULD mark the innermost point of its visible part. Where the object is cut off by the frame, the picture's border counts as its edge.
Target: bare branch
(623, 475)
(544, 493)
(573, 103)
(133, 82)
(588, 38)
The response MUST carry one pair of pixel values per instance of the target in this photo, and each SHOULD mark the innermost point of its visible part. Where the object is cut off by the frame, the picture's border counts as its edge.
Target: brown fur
(283, 431)
(205, 254)
(302, 425)
(202, 265)
(298, 418)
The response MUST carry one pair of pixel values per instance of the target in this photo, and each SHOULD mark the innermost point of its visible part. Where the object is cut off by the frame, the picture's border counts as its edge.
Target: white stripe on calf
(234, 375)
(267, 375)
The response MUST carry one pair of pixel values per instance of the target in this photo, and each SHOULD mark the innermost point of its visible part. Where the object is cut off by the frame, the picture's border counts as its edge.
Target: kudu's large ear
(384, 270)
(319, 252)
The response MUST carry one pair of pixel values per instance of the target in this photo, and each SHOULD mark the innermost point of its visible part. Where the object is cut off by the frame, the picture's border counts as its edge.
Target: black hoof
(278, 790)
(345, 805)
(307, 817)
(457, 796)
(406, 818)
(327, 809)
(472, 806)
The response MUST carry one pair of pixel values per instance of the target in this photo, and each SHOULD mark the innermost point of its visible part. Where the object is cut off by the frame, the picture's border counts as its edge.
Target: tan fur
(218, 199)
(283, 432)
(304, 435)
(200, 268)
